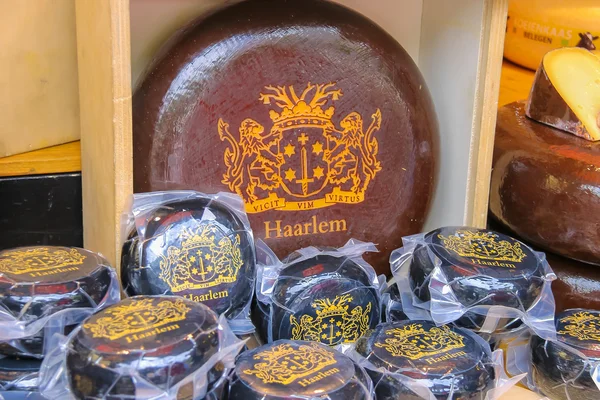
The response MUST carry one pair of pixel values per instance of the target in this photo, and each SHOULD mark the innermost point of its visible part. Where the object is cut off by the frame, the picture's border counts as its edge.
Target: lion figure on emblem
(353, 156)
(250, 161)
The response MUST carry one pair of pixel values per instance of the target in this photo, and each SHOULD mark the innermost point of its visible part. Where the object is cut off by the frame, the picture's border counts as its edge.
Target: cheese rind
(545, 184)
(566, 92)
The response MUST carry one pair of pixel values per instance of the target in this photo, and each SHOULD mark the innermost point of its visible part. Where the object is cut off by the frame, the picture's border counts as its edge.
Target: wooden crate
(457, 45)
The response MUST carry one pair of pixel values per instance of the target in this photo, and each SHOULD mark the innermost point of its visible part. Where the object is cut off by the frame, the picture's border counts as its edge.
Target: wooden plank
(51, 160)
(515, 83)
(103, 49)
(486, 104)
(456, 53)
(39, 102)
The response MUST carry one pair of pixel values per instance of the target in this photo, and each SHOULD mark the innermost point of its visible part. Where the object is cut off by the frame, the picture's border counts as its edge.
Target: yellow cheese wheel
(535, 27)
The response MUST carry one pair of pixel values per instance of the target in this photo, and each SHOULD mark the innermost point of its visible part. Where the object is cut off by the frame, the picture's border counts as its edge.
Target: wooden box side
(103, 52)
(463, 36)
(461, 56)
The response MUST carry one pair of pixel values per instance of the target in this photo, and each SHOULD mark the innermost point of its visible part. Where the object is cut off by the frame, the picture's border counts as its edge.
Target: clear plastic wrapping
(299, 370)
(476, 278)
(391, 303)
(145, 347)
(46, 290)
(325, 295)
(567, 368)
(192, 245)
(420, 360)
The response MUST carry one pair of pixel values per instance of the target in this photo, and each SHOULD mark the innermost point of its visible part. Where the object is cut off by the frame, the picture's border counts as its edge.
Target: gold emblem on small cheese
(566, 92)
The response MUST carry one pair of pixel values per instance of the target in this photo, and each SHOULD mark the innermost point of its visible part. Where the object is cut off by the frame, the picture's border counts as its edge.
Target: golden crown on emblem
(483, 245)
(582, 325)
(38, 259)
(304, 110)
(135, 317)
(202, 237)
(336, 307)
(284, 364)
(414, 342)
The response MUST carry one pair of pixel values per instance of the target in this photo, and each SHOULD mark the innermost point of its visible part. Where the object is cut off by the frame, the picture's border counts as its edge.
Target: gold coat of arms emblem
(304, 161)
(415, 342)
(582, 325)
(285, 363)
(334, 323)
(38, 259)
(206, 258)
(483, 245)
(135, 317)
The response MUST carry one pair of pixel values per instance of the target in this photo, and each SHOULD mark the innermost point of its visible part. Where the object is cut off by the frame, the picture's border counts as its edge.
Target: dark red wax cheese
(316, 116)
(545, 186)
(577, 286)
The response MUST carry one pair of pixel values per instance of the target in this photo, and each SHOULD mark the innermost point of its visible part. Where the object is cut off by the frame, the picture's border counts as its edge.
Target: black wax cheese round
(195, 248)
(154, 340)
(19, 374)
(564, 374)
(38, 281)
(297, 369)
(482, 267)
(445, 359)
(324, 298)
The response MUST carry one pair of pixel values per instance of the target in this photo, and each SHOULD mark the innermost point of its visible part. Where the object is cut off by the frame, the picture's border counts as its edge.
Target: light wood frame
(457, 45)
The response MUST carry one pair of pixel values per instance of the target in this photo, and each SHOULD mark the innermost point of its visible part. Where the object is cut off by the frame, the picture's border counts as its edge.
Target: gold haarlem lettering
(139, 336)
(53, 272)
(319, 376)
(207, 296)
(493, 263)
(433, 360)
(275, 229)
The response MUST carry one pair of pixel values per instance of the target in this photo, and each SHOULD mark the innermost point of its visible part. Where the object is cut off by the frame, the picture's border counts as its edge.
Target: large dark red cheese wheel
(316, 116)
(577, 284)
(545, 186)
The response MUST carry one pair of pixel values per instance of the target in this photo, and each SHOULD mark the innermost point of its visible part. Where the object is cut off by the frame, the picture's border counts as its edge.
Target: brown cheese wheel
(545, 186)
(317, 117)
(577, 286)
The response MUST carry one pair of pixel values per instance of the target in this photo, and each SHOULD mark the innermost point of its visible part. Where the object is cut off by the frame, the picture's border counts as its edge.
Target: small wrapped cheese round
(37, 283)
(563, 369)
(299, 370)
(196, 247)
(19, 374)
(482, 268)
(325, 298)
(144, 344)
(450, 362)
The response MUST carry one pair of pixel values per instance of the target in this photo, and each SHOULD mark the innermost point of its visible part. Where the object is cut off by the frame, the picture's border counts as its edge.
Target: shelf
(59, 159)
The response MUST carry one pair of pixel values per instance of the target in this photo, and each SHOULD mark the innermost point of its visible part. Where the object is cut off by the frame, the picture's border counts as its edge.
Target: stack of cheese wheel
(545, 182)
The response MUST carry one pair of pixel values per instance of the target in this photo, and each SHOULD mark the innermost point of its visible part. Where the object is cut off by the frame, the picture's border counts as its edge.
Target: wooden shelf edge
(64, 158)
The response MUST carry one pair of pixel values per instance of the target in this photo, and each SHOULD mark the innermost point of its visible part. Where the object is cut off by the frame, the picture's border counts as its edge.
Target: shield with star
(304, 171)
(201, 268)
(332, 332)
